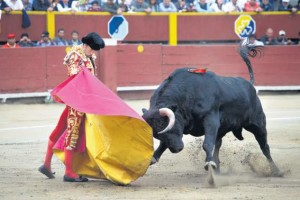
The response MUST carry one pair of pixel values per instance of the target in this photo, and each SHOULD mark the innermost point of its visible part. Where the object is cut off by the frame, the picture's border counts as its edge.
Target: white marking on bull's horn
(170, 114)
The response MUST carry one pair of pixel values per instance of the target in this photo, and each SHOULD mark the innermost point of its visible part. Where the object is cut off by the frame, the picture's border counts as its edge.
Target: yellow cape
(118, 148)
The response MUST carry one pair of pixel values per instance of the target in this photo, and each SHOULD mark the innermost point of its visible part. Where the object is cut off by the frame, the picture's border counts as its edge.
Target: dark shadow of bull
(207, 105)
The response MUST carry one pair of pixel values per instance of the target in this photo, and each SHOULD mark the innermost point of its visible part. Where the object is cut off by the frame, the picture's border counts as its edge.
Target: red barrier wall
(278, 66)
(153, 27)
(40, 69)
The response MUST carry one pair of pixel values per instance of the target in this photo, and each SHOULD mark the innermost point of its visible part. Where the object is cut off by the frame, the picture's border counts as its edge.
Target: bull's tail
(247, 50)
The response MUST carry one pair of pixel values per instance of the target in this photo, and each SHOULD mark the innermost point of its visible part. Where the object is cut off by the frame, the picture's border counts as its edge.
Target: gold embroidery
(76, 59)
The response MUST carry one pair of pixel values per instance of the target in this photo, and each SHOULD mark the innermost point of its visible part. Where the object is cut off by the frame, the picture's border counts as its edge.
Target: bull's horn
(170, 114)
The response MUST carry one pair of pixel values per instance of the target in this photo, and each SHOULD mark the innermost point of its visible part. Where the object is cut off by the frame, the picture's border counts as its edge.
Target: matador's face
(88, 50)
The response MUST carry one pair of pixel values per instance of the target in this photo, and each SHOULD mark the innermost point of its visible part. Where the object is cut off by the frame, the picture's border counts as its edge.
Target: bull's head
(165, 127)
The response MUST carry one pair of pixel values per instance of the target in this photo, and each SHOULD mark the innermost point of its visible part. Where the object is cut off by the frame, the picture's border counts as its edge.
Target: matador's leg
(74, 120)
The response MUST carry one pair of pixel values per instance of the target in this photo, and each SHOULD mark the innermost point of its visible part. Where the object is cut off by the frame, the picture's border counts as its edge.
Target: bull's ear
(173, 107)
(144, 110)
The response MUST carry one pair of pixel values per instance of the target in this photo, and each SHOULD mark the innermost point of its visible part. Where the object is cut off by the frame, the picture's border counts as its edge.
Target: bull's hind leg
(260, 134)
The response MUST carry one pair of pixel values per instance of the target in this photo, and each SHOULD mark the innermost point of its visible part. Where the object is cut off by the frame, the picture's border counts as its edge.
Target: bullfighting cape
(118, 142)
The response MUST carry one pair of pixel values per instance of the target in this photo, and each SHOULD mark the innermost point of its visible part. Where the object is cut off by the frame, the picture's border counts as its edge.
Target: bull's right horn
(170, 114)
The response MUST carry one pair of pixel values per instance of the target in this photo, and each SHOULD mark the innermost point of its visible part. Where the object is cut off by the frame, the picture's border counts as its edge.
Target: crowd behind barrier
(49, 28)
(148, 6)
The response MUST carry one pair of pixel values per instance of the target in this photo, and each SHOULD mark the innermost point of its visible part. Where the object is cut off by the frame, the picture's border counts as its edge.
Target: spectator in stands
(252, 41)
(282, 39)
(41, 5)
(4, 6)
(95, 7)
(11, 41)
(75, 38)
(182, 6)
(60, 40)
(140, 6)
(112, 7)
(25, 41)
(252, 6)
(53, 5)
(232, 6)
(266, 5)
(65, 6)
(15, 4)
(124, 6)
(154, 5)
(202, 6)
(167, 6)
(80, 5)
(217, 6)
(298, 40)
(285, 6)
(27, 5)
(45, 41)
(268, 38)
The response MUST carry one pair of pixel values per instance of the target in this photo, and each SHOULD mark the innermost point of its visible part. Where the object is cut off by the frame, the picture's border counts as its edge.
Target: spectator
(60, 40)
(266, 5)
(75, 38)
(202, 6)
(268, 38)
(80, 5)
(217, 6)
(167, 6)
(11, 41)
(45, 41)
(111, 7)
(27, 5)
(252, 6)
(252, 41)
(41, 5)
(298, 39)
(15, 4)
(140, 6)
(232, 6)
(282, 38)
(25, 41)
(4, 6)
(53, 5)
(285, 6)
(298, 5)
(95, 7)
(182, 6)
(65, 6)
(124, 6)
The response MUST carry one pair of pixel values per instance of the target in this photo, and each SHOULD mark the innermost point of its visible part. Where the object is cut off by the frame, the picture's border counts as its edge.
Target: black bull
(206, 104)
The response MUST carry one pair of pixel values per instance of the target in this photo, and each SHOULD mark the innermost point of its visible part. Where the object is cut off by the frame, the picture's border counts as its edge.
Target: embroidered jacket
(76, 59)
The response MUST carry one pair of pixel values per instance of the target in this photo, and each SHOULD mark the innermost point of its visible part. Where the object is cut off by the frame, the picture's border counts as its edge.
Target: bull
(206, 104)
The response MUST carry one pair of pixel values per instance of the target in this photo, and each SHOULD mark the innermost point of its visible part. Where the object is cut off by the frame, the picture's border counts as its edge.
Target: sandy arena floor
(23, 136)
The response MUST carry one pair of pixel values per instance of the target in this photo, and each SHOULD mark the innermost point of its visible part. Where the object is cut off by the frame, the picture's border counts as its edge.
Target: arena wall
(124, 68)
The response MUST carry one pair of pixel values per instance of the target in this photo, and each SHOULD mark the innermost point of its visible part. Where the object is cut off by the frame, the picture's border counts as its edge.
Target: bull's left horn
(170, 114)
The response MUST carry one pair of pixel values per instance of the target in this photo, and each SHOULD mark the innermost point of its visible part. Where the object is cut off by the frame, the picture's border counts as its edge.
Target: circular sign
(244, 26)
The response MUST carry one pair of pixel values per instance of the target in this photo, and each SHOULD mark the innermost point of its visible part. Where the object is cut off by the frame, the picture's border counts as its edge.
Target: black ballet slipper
(46, 172)
(79, 179)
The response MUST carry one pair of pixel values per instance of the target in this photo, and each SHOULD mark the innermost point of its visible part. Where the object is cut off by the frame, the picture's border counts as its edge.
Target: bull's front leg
(158, 152)
(211, 126)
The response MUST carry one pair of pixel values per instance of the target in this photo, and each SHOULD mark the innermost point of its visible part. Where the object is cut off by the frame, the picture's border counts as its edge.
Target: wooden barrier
(122, 66)
(154, 27)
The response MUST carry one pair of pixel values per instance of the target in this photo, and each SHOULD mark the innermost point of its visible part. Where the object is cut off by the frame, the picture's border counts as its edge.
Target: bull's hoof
(212, 163)
(211, 176)
(277, 173)
(153, 161)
